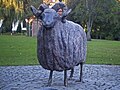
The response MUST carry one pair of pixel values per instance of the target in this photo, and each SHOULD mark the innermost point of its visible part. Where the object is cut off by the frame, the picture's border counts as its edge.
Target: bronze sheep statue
(60, 46)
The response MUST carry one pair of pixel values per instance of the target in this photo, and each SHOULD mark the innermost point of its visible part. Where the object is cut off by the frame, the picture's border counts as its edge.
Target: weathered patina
(60, 46)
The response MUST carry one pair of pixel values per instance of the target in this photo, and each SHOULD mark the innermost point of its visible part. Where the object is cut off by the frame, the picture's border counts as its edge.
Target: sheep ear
(67, 12)
(35, 12)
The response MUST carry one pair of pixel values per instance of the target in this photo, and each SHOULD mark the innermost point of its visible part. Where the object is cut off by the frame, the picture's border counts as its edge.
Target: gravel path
(95, 77)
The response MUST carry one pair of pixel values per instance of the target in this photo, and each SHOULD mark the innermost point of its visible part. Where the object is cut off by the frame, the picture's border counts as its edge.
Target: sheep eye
(43, 15)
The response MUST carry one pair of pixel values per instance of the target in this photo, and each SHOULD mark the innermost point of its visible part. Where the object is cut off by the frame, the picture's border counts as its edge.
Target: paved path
(95, 77)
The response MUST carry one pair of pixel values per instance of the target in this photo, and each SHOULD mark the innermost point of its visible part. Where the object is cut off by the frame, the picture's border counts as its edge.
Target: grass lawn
(17, 50)
(21, 50)
(103, 52)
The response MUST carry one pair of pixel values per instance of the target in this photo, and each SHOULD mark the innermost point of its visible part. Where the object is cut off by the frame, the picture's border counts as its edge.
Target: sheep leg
(81, 73)
(65, 78)
(80, 78)
(50, 78)
(71, 74)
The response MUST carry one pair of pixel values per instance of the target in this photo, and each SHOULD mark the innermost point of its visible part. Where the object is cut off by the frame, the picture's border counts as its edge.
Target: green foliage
(27, 4)
(108, 21)
(21, 50)
(85, 13)
(9, 13)
(72, 3)
(105, 15)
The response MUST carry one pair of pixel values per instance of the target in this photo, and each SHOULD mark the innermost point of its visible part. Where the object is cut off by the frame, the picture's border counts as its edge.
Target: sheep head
(48, 16)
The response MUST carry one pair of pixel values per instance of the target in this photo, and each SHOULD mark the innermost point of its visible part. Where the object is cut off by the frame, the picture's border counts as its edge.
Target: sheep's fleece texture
(62, 47)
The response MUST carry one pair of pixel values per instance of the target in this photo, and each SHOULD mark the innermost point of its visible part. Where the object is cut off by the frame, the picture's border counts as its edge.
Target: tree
(108, 20)
(72, 3)
(27, 4)
(12, 10)
(87, 12)
(101, 13)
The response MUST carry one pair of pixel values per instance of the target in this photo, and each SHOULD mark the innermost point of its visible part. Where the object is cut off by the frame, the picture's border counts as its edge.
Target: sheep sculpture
(60, 46)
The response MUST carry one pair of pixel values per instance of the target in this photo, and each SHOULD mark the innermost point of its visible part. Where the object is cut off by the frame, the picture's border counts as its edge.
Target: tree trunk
(89, 27)
(88, 35)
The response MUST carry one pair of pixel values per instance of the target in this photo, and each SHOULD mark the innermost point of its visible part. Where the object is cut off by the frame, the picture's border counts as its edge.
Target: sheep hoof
(79, 81)
(70, 78)
(65, 78)
(65, 84)
(49, 84)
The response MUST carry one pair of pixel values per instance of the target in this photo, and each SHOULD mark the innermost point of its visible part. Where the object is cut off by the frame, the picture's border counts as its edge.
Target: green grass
(17, 50)
(103, 52)
(21, 50)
